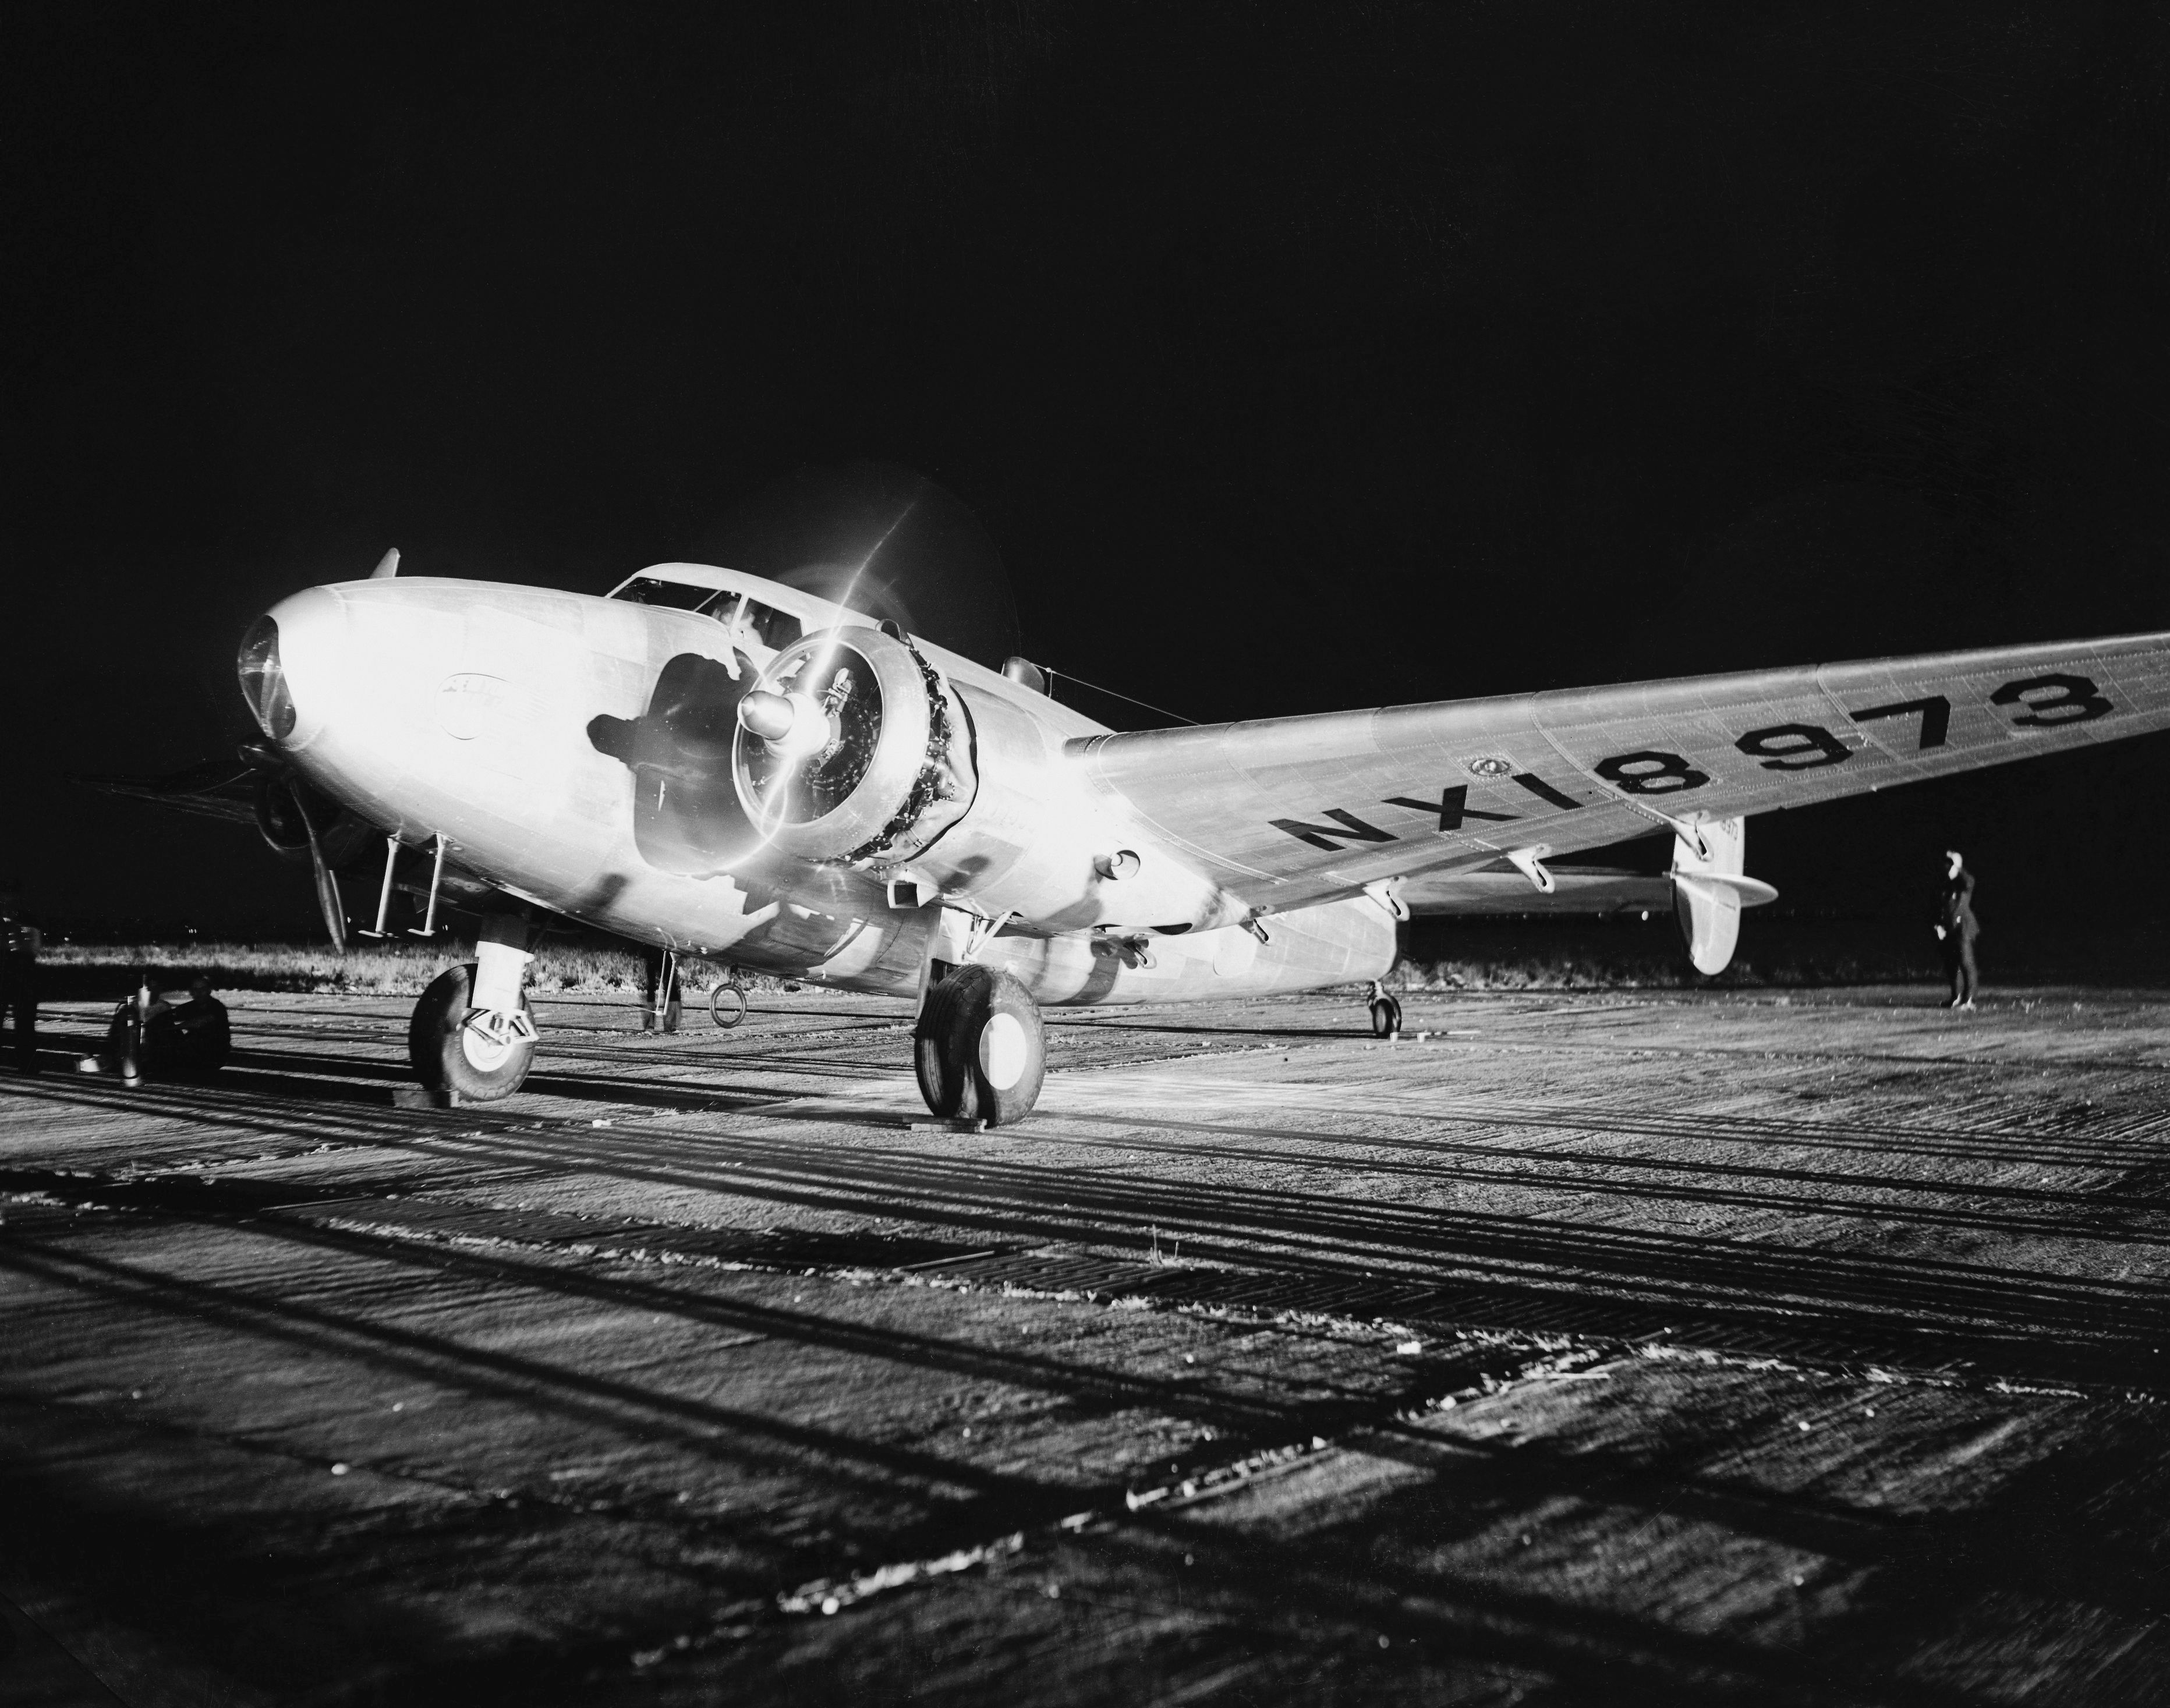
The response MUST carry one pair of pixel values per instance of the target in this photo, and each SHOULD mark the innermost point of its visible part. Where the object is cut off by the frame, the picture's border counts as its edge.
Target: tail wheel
(1385, 1017)
(452, 1052)
(727, 1004)
(980, 1048)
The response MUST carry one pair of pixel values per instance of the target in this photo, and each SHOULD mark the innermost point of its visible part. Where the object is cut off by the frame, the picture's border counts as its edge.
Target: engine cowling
(871, 761)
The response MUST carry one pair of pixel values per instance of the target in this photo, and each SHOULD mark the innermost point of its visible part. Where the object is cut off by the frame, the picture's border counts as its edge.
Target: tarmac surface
(1593, 1348)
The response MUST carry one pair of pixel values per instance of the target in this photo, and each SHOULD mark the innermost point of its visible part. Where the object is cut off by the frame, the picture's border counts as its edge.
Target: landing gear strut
(474, 1031)
(980, 1046)
(1386, 1013)
(661, 1001)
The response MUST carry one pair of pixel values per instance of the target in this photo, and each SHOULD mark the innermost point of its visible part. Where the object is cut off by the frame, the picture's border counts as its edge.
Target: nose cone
(793, 725)
(765, 714)
(292, 665)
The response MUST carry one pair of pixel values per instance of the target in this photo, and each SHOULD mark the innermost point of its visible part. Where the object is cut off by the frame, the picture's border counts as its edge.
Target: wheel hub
(1004, 1051)
(486, 1040)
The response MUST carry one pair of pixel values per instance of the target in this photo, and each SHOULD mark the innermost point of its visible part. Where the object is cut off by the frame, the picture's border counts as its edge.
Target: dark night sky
(1295, 357)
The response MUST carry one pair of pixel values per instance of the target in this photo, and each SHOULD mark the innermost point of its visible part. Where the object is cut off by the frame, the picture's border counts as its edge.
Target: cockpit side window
(775, 629)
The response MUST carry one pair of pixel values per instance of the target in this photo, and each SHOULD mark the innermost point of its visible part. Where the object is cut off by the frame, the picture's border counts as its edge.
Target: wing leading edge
(1290, 811)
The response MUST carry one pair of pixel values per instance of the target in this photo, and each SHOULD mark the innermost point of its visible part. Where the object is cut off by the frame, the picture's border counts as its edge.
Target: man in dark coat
(19, 943)
(1956, 929)
(188, 1040)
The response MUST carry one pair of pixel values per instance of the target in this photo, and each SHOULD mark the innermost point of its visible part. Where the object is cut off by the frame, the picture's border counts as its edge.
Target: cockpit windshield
(763, 624)
(647, 589)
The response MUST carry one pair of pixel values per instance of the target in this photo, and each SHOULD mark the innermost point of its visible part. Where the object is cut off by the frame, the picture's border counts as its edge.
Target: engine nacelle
(1040, 841)
(868, 757)
(853, 750)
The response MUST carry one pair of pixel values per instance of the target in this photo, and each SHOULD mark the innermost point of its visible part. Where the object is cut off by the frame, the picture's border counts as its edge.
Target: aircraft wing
(1291, 811)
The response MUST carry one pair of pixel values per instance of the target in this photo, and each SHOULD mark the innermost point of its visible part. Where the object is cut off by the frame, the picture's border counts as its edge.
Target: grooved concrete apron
(1687, 1346)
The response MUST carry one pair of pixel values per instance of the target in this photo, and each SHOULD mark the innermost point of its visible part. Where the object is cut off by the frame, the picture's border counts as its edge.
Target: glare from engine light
(809, 729)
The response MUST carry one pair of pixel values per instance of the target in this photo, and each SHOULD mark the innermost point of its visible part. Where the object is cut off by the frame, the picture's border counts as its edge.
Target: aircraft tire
(1385, 1017)
(449, 1056)
(980, 1048)
(727, 1004)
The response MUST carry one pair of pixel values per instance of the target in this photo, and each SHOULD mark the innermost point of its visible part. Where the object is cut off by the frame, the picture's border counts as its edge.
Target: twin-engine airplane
(714, 764)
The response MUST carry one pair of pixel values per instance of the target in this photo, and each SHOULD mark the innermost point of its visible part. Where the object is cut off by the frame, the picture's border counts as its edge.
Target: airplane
(717, 765)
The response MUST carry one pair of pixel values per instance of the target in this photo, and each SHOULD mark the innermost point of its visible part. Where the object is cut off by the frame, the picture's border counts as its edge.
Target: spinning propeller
(798, 726)
(285, 820)
(880, 540)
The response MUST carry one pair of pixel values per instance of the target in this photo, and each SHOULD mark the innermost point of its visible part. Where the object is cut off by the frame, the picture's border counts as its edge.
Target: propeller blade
(769, 809)
(328, 899)
(328, 889)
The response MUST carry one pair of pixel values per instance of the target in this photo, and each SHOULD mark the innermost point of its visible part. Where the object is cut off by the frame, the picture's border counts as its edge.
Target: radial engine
(853, 749)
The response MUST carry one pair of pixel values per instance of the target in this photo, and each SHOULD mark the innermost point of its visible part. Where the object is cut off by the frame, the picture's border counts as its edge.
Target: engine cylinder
(896, 771)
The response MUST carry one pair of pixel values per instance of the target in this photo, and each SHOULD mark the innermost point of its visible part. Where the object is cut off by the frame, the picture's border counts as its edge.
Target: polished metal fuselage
(463, 709)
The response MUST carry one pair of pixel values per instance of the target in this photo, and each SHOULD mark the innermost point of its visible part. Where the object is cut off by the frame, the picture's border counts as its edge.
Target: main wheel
(451, 1054)
(980, 1048)
(1385, 1016)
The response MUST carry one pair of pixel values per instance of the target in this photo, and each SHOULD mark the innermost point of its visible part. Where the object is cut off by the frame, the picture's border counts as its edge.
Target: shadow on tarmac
(1270, 1248)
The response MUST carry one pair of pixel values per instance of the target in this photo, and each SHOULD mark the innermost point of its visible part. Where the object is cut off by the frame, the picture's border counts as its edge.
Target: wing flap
(1574, 892)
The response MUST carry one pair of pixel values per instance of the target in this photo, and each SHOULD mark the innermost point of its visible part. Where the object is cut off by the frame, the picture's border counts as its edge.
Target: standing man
(19, 943)
(1957, 928)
